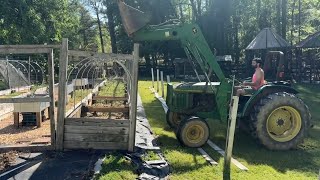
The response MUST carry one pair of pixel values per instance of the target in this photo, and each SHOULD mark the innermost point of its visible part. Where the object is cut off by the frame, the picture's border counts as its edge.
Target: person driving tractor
(257, 79)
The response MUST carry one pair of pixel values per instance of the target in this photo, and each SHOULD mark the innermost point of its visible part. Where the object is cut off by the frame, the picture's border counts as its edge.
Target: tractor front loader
(273, 114)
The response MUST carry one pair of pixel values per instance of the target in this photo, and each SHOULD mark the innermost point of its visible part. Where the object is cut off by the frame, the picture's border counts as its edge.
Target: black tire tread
(274, 100)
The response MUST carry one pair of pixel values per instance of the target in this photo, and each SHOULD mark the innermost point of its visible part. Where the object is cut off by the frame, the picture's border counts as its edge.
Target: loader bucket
(132, 18)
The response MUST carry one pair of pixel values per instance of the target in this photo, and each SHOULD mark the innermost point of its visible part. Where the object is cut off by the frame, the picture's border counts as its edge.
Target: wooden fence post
(51, 95)
(168, 79)
(133, 98)
(230, 137)
(62, 93)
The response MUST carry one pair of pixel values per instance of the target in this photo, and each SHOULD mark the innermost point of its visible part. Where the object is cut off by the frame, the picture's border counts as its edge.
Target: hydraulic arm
(191, 39)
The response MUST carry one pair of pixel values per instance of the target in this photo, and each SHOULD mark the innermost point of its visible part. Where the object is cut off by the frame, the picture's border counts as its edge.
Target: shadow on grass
(171, 147)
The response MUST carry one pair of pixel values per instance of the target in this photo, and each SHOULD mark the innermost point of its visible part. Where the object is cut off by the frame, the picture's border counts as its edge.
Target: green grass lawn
(113, 88)
(187, 163)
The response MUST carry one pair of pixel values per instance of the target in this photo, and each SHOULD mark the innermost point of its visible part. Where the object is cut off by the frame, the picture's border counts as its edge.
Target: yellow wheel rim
(195, 134)
(284, 123)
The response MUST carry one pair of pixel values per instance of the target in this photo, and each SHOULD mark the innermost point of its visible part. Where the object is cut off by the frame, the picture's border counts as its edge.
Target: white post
(29, 73)
(8, 77)
(157, 80)
(168, 79)
(152, 76)
(162, 86)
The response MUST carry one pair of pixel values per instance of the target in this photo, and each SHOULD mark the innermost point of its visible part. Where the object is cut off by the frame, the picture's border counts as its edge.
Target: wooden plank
(230, 136)
(95, 137)
(38, 119)
(31, 46)
(25, 100)
(16, 119)
(133, 97)
(51, 96)
(62, 93)
(73, 112)
(95, 145)
(24, 50)
(97, 122)
(206, 156)
(25, 148)
(95, 129)
(109, 98)
(106, 56)
(107, 109)
(220, 151)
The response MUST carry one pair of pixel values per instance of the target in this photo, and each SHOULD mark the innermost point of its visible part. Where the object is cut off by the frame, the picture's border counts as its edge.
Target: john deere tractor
(273, 114)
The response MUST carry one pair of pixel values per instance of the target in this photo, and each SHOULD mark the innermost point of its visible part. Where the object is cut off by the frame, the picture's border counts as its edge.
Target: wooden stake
(230, 137)
(157, 80)
(51, 95)
(62, 93)
(133, 98)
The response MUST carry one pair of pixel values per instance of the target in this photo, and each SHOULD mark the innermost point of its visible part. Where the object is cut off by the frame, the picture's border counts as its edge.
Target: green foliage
(46, 21)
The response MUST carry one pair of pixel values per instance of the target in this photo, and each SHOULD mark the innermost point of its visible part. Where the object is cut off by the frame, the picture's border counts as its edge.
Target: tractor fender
(263, 92)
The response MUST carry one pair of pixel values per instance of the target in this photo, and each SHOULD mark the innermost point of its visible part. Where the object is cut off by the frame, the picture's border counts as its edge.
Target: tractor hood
(198, 87)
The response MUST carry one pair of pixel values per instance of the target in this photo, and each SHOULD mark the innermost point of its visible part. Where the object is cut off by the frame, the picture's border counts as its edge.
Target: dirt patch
(9, 134)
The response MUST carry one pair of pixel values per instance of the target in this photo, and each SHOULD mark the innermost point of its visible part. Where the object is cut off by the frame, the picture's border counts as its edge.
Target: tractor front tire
(280, 121)
(193, 132)
(173, 119)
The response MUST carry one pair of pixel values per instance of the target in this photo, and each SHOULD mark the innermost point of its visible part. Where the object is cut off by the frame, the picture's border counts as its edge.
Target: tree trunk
(258, 13)
(199, 8)
(292, 20)
(100, 30)
(111, 28)
(194, 10)
(299, 20)
(279, 16)
(284, 18)
(181, 12)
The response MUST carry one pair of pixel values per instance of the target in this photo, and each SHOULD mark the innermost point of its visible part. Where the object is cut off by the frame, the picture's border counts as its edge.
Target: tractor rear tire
(280, 121)
(173, 119)
(193, 132)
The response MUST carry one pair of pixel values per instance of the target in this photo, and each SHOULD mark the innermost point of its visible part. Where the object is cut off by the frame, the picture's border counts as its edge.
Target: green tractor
(274, 114)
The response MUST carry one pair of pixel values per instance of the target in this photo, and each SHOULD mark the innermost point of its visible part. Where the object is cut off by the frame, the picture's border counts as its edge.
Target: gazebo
(266, 40)
(306, 68)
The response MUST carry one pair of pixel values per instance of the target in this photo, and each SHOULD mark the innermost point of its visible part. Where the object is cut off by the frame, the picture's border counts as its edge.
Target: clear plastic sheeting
(12, 75)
